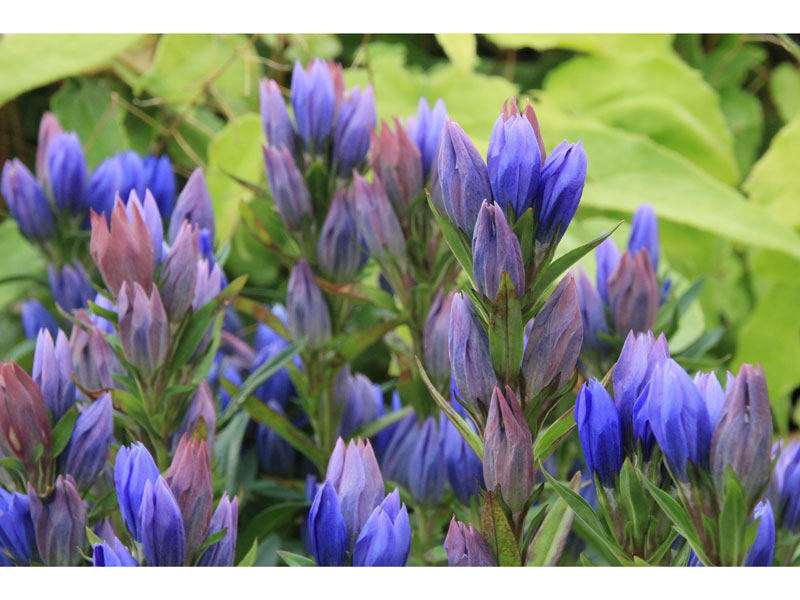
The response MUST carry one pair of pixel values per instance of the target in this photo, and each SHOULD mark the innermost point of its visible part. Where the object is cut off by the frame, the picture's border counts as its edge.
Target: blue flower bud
(70, 286)
(712, 393)
(189, 478)
(17, 535)
(133, 468)
(742, 439)
(60, 523)
(601, 432)
(90, 443)
(470, 361)
(463, 467)
(277, 125)
(377, 221)
(639, 357)
(495, 249)
(152, 219)
(607, 256)
(104, 185)
(143, 327)
(222, 553)
(463, 177)
(426, 131)
(103, 555)
(644, 233)
(265, 335)
(339, 251)
(179, 273)
(466, 547)
(515, 159)
(561, 186)
(435, 336)
(426, 466)
(193, 205)
(633, 294)
(314, 102)
(784, 488)
(762, 551)
(133, 175)
(275, 455)
(289, 191)
(279, 387)
(27, 202)
(49, 128)
(679, 419)
(396, 160)
(397, 445)
(360, 399)
(52, 372)
(66, 170)
(163, 538)
(306, 308)
(385, 539)
(201, 409)
(353, 124)
(93, 358)
(36, 317)
(327, 529)
(592, 313)
(160, 180)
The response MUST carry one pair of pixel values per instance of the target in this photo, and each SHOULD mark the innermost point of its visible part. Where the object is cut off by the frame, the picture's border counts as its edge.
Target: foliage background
(706, 128)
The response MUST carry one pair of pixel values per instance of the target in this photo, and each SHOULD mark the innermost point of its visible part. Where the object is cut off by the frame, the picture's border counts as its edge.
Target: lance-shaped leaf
(548, 544)
(498, 532)
(506, 332)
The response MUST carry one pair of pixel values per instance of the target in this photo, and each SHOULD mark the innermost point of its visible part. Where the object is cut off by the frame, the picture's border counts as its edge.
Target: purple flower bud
(193, 205)
(784, 488)
(189, 478)
(644, 233)
(495, 249)
(93, 358)
(279, 387)
(17, 536)
(90, 443)
(508, 450)
(385, 539)
(275, 456)
(639, 357)
(426, 466)
(161, 183)
(463, 176)
(353, 124)
(103, 555)
(607, 256)
(426, 131)
(356, 477)
(396, 160)
(27, 202)
(208, 285)
(66, 171)
(762, 551)
(222, 553)
(60, 523)
(397, 445)
(49, 128)
(123, 252)
(561, 186)
(52, 372)
(360, 399)
(24, 422)
(633, 294)
(466, 547)
(36, 317)
(377, 221)
(601, 432)
(70, 286)
(133, 468)
(152, 219)
(742, 439)
(201, 410)
(554, 342)
(306, 308)
(163, 538)
(515, 159)
(133, 176)
(435, 336)
(468, 346)
(712, 393)
(327, 530)
(592, 313)
(277, 124)
(289, 191)
(105, 184)
(143, 328)
(464, 468)
(314, 102)
(179, 273)
(339, 251)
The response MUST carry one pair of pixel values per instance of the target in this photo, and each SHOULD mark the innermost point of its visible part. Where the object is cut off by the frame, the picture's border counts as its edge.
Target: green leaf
(62, 432)
(295, 560)
(20, 258)
(361, 293)
(261, 313)
(498, 532)
(353, 345)
(460, 48)
(378, 425)
(268, 520)
(549, 542)
(784, 88)
(506, 329)
(746, 120)
(634, 501)
(596, 43)
(733, 522)
(456, 239)
(549, 439)
(250, 558)
(211, 540)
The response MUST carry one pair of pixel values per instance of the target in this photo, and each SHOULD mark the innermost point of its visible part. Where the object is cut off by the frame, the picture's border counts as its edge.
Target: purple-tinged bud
(103, 555)
(712, 393)
(209, 283)
(351, 137)
(377, 221)
(463, 177)
(313, 100)
(222, 553)
(275, 455)
(633, 294)
(66, 171)
(133, 468)
(163, 537)
(133, 176)
(426, 131)
(189, 478)
(762, 552)
(17, 535)
(554, 342)
(160, 180)
(327, 530)
(607, 256)
(70, 286)
(515, 159)
(36, 317)
(508, 450)
(277, 125)
(463, 467)
(360, 399)
(639, 357)
(601, 432)
(49, 128)
(468, 346)
(179, 273)
(644, 233)
(561, 186)
(679, 418)
(90, 443)
(289, 191)
(385, 539)
(466, 547)
(396, 160)
(742, 439)
(152, 219)
(200, 418)
(143, 328)
(356, 477)
(193, 205)
(93, 358)
(123, 252)
(105, 184)
(592, 313)
(495, 249)
(307, 311)
(27, 202)
(426, 466)
(60, 523)
(436, 189)
(339, 251)
(24, 423)
(435, 336)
